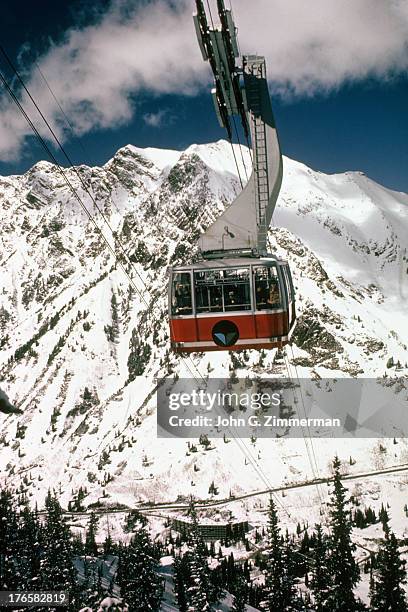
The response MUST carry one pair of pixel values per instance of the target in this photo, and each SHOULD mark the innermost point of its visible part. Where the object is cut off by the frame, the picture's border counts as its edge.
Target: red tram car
(231, 304)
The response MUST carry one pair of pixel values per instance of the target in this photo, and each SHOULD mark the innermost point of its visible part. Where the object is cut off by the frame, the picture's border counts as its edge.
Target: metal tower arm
(244, 224)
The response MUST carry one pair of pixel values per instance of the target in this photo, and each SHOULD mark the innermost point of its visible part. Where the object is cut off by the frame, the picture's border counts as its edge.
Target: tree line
(300, 572)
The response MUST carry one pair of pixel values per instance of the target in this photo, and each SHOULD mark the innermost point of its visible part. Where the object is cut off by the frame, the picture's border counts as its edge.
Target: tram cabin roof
(238, 262)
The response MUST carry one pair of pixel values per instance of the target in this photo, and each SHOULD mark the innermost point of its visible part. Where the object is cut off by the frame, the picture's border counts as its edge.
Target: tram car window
(181, 300)
(237, 292)
(208, 291)
(267, 290)
(222, 290)
(289, 283)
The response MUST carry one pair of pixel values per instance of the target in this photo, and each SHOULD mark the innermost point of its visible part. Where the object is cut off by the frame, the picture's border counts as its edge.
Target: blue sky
(130, 72)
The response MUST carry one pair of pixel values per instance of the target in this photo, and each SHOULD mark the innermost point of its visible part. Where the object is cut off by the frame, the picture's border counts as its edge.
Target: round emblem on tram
(225, 333)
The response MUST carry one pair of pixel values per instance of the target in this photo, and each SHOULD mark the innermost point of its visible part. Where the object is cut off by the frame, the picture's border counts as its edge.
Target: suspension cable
(236, 163)
(63, 113)
(307, 439)
(239, 145)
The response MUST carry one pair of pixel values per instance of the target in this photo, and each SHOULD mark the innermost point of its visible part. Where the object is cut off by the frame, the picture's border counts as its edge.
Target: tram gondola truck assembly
(238, 296)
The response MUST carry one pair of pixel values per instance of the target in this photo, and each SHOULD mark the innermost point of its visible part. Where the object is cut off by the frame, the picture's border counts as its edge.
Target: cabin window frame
(172, 307)
(278, 274)
(288, 274)
(289, 291)
(226, 309)
(284, 277)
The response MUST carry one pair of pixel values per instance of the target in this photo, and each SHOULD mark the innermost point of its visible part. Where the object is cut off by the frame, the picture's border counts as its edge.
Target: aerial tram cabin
(231, 304)
(237, 296)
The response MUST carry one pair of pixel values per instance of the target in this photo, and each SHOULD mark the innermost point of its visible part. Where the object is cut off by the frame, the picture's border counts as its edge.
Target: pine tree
(275, 568)
(240, 594)
(383, 515)
(203, 587)
(231, 572)
(181, 576)
(200, 592)
(91, 547)
(115, 317)
(342, 566)
(387, 592)
(320, 582)
(280, 580)
(91, 589)
(57, 570)
(30, 543)
(8, 542)
(108, 546)
(212, 549)
(140, 586)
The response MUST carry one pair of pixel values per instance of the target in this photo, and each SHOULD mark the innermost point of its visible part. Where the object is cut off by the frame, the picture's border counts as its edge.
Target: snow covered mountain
(83, 335)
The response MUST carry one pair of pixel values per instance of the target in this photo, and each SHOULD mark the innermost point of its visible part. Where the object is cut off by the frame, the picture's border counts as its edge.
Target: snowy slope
(82, 339)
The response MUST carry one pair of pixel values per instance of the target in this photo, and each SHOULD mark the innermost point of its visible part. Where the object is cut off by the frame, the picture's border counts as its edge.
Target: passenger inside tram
(216, 301)
(231, 299)
(273, 300)
(261, 295)
(182, 299)
(236, 297)
(267, 292)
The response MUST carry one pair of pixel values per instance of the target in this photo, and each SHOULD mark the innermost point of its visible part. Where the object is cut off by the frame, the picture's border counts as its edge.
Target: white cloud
(97, 71)
(318, 45)
(158, 119)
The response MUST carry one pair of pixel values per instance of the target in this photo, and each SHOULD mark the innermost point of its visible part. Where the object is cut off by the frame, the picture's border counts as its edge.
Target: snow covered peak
(161, 158)
(217, 156)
